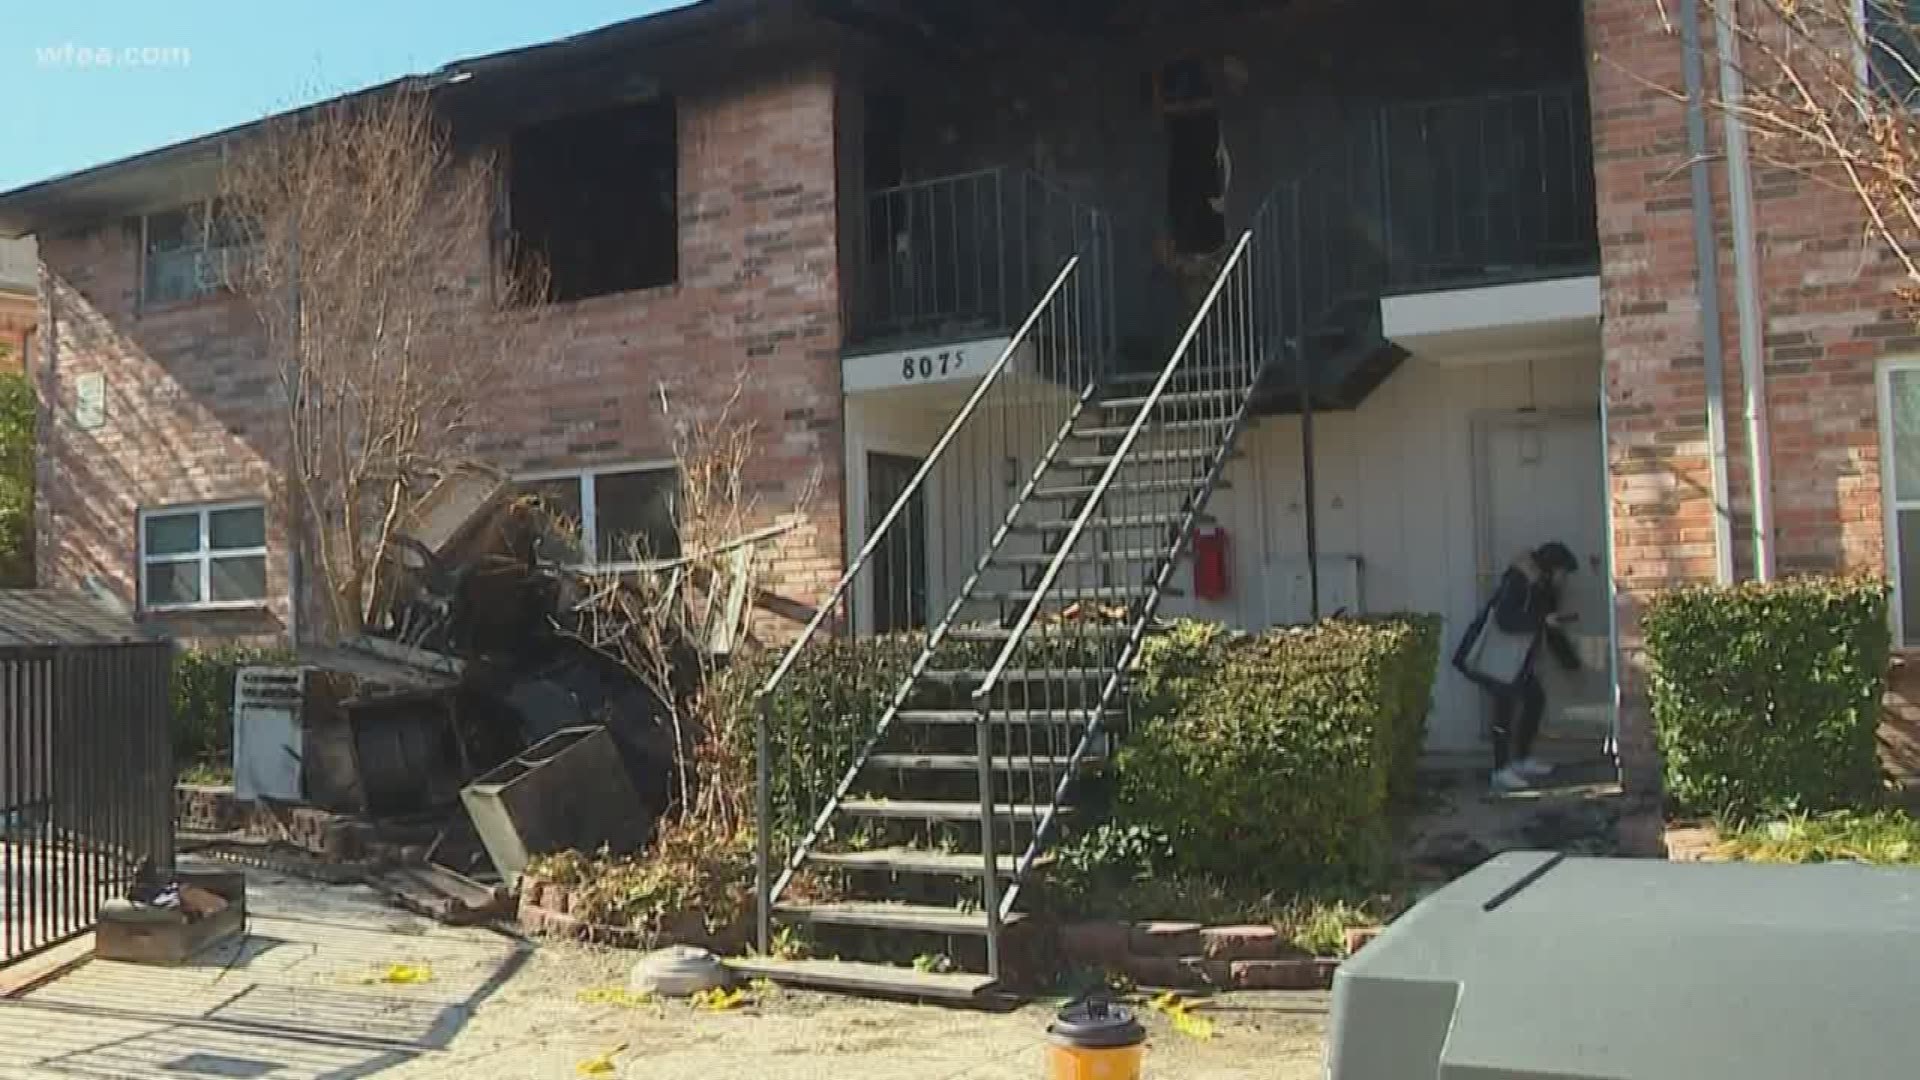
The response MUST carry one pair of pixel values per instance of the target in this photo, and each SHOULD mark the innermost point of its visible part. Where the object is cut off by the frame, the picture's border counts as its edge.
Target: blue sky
(86, 81)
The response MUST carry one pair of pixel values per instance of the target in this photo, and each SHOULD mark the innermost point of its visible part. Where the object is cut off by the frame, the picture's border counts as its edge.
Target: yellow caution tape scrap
(1179, 1012)
(719, 1000)
(599, 1065)
(402, 975)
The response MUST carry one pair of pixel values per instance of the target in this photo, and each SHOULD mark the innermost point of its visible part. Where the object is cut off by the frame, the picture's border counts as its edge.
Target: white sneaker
(1507, 780)
(1533, 768)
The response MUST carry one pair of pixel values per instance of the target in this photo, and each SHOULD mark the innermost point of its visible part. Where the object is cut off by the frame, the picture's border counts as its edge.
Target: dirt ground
(306, 996)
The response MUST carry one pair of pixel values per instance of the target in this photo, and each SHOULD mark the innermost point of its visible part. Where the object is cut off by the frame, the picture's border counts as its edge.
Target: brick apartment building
(862, 200)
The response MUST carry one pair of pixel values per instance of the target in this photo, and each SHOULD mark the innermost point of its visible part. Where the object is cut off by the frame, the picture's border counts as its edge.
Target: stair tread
(1130, 521)
(1145, 457)
(1015, 674)
(1045, 559)
(1115, 631)
(970, 762)
(1095, 592)
(883, 915)
(958, 810)
(1148, 378)
(1037, 716)
(857, 977)
(1077, 491)
(912, 860)
(1172, 397)
(1107, 432)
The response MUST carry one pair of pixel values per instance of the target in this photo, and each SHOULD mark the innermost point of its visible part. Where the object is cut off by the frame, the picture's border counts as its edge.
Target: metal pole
(763, 827)
(1303, 373)
(990, 882)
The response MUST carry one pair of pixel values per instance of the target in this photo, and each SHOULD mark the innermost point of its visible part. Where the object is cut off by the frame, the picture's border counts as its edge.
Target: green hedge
(835, 692)
(202, 695)
(1281, 751)
(1273, 758)
(1766, 697)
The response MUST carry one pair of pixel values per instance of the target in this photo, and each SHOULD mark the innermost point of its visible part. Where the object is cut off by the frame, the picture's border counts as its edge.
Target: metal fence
(86, 784)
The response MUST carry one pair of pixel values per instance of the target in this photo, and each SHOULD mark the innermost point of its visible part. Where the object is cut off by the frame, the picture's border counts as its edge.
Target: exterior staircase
(969, 773)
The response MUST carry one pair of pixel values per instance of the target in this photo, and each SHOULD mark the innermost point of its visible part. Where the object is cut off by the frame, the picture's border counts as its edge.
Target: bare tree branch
(362, 241)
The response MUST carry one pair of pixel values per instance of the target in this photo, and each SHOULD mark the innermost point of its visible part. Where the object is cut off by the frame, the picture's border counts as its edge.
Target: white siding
(1394, 487)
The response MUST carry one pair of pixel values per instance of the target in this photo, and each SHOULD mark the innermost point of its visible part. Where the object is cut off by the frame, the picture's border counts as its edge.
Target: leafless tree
(360, 237)
(1829, 94)
(680, 622)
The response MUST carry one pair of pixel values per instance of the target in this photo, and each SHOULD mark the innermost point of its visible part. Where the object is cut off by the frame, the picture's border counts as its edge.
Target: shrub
(16, 479)
(202, 695)
(1766, 697)
(1272, 759)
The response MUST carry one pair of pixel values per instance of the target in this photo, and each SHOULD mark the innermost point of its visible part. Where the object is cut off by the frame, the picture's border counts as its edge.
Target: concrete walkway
(302, 998)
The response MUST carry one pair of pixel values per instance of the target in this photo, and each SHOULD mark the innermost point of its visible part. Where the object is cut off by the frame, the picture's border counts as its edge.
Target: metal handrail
(1100, 488)
(878, 534)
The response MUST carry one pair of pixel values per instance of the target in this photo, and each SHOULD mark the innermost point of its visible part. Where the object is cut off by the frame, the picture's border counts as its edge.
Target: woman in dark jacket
(1523, 613)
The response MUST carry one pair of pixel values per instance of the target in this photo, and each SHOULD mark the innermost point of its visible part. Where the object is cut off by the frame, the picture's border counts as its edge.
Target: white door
(1542, 477)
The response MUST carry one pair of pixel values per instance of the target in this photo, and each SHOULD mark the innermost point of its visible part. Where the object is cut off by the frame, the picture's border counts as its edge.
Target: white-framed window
(1900, 491)
(622, 511)
(203, 557)
(186, 252)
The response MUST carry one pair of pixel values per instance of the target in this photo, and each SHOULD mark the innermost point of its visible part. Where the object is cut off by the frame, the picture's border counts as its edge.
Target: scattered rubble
(441, 742)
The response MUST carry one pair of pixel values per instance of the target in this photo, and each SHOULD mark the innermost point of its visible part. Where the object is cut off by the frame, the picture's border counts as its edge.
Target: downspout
(1706, 256)
(1747, 295)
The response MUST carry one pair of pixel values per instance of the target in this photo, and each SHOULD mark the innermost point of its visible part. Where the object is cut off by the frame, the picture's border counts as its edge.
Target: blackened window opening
(1196, 184)
(594, 197)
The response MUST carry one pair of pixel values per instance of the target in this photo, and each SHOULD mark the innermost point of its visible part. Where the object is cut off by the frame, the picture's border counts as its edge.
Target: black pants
(1513, 737)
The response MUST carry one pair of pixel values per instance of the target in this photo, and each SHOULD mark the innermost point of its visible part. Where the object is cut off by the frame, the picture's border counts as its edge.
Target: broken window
(1196, 159)
(622, 516)
(595, 198)
(203, 557)
(185, 253)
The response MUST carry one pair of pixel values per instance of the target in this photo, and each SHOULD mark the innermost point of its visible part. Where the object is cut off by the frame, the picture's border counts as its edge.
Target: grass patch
(207, 774)
(1882, 838)
(1315, 922)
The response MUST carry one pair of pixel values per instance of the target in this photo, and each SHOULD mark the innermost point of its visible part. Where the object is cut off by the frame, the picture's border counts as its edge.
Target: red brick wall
(18, 313)
(192, 414)
(1826, 309)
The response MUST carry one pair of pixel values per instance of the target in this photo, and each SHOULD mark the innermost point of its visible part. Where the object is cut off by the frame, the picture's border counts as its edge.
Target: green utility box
(1540, 967)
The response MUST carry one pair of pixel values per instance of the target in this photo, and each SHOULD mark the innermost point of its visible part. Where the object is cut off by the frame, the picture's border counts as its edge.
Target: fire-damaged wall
(153, 405)
(1142, 123)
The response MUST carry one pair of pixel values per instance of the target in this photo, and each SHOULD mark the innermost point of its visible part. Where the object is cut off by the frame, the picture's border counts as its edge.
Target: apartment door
(900, 563)
(1541, 477)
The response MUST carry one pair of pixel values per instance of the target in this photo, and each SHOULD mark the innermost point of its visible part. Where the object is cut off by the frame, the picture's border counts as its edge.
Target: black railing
(86, 785)
(1487, 189)
(969, 254)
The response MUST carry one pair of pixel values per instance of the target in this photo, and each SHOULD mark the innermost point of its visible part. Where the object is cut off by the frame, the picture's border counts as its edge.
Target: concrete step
(847, 976)
(928, 810)
(878, 915)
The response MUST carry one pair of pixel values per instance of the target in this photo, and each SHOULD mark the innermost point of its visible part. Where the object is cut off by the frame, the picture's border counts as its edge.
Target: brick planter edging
(1190, 956)
(547, 910)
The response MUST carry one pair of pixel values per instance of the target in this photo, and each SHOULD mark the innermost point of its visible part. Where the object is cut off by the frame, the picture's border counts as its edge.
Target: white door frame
(860, 443)
(1484, 422)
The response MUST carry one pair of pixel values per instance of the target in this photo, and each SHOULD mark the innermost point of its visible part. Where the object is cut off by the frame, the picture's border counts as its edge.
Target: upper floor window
(625, 515)
(203, 557)
(1893, 46)
(595, 197)
(184, 253)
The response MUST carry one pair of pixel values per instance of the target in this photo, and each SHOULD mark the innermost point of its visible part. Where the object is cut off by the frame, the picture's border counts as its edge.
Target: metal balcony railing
(969, 254)
(1486, 189)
